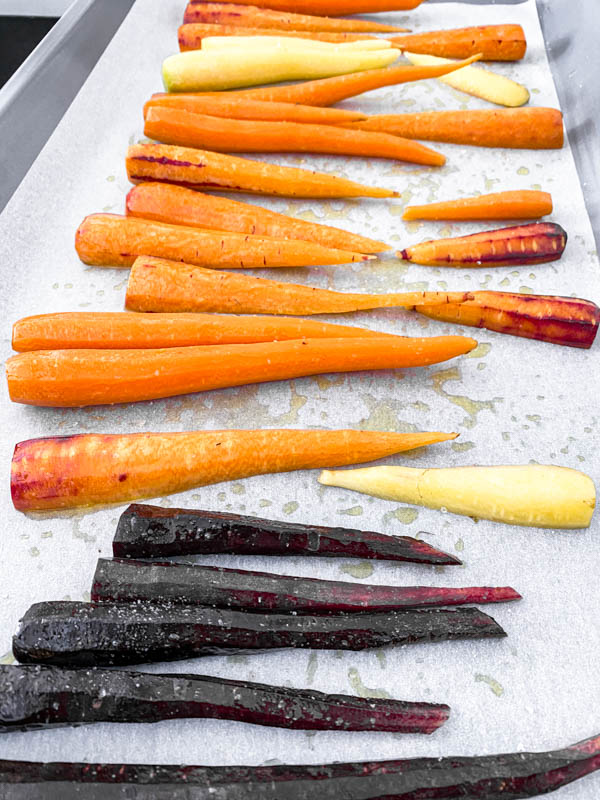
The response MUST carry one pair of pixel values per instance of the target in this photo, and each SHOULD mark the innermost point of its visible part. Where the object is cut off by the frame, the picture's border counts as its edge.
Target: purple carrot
(146, 531)
(33, 697)
(125, 580)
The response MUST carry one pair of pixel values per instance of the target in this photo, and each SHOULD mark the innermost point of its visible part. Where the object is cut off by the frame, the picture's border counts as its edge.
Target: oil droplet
(496, 687)
(237, 659)
(111, 178)
(7, 658)
(222, 496)
(404, 515)
(472, 407)
(47, 534)
(326, 383)
(311, 667)
(505, 435)
(362, 690)
(534, 418)
(525, 289)
(264, 503)
(504, 282)
(459, 546)
(360, 569)
(238, 488)
(290, 507)
(481, 351)
(382, 658)
(462, 447)
(355, 511)
(523, 171)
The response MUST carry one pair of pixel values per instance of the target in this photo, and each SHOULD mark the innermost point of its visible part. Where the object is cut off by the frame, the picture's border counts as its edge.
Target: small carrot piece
(255, 17)
(243, 108)
(191, 36)
(156, 284)
(493, 42)
(179, 206)
(87, 469)
(119, 331)
(201, 169)
(528, 128)
(172, 126)
(332, 8)
(104, 240)
(77, 378)
(521, 204)
(535, 243)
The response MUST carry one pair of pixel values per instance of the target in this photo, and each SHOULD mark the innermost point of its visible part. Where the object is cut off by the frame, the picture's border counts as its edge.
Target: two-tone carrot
(527, 128)
(183, 128)
(255, 17)
(492, 42)
(76, 378)
(521, 204)
(191, 37)
(177, 205)
(202, 169)
(116, 330)
(331, 8)
(104, 240)
(88, 469)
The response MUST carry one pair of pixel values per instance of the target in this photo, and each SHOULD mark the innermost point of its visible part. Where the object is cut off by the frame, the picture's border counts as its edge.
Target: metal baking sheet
(512, 401)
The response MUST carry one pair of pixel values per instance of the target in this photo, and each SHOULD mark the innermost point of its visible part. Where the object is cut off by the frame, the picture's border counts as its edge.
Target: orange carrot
(119, 331)
(75, 378)
(156, 284)
(494, 42)
(535, 243)
(179, 206)
(190, 36)
(172, 126)
(521, 204)
(111, 240)
(327, 91)
(70, 471)
(243, 108)
(201, 169)
(530, 128)
(255, 17)
(332, 8)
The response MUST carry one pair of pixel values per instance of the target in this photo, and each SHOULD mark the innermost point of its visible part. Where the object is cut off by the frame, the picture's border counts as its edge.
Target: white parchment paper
(513, 401)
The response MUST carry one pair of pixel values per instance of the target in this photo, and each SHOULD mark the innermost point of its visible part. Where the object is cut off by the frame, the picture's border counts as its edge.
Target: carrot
(255, 17)
(243, 108)
(76, 378)
(159, 285)
(190, 37)
(172, 126)
(521, 204)
(111, 240)
(119, 331)
(70, 471)
(327, 91)
(332, 8)
(201, 169)
(530, 128)
(493, 42)
(179, 206)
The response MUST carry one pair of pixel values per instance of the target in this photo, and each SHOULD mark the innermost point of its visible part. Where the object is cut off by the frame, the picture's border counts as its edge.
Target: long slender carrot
(69, 471)
(111, 240)
(75, 378)
(179, 206)
(245, 108)
(521, 204)
(190, 36)
(327, 91)
(332, 8)
(493, 42)
(530, 128)
(118, 330)
(201, 169)
(255, 17)
(172, 126)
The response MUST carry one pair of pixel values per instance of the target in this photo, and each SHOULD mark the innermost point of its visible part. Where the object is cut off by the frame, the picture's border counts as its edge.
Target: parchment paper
(513, 401)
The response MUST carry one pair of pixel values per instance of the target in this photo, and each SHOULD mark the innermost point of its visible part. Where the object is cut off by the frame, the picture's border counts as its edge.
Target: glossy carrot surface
(492, 42)
(190, 37)
(521, 204)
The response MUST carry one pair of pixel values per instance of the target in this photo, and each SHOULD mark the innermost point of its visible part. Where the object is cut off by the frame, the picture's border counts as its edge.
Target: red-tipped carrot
(527, 128)
(493, 42)
(332, 8)
(118, 330)
(535, 243)
(190, 37)
(111, 240)
(201, 169)
(172, 126)
(327, 91)
(69, 471)
(75, 378)
(179, 206)
(235, 107)
(158, 285)
(521, 204)
(255, 17)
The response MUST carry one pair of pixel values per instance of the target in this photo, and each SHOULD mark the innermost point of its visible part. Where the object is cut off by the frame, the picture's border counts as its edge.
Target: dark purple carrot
(68, 633)
(126, 581)
(146, 531)
(33, 697)
(510, 776)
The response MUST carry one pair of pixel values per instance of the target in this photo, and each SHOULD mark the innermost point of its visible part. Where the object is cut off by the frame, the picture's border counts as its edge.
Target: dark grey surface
(34, 100)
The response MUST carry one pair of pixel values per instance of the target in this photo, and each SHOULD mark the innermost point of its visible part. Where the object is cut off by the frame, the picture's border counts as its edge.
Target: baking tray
(515, 401)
